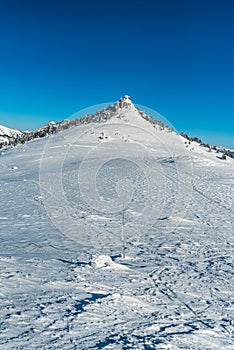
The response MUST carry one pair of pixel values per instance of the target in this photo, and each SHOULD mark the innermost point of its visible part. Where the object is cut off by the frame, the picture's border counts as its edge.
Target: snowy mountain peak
(4, 131)
(123, 110)
(8, 136)
(126, 98)
(123, 102)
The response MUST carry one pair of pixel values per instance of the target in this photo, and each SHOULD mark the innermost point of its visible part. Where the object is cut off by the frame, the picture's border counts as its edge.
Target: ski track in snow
(175, 289)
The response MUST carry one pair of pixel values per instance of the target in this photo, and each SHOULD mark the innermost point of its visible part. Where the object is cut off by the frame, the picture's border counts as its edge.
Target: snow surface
(63, 282)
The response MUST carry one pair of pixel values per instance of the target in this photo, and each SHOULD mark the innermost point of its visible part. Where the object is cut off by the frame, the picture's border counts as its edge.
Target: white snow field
(63, 282)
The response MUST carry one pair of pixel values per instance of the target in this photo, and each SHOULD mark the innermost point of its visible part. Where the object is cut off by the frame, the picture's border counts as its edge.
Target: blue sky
(174, 56)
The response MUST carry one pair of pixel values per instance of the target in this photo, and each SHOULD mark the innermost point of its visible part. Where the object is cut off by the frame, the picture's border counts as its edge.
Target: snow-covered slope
(7, 134)
(63, 282)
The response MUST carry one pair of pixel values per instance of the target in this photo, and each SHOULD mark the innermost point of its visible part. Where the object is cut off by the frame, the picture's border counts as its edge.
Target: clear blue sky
(174, 56)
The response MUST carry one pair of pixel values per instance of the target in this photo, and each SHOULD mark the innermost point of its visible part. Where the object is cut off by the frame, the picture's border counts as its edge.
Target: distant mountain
(12, 137)
(7, 132)
(117, 111)
(9, 136)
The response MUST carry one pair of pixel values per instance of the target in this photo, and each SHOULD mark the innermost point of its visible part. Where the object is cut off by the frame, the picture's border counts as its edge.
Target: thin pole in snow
(123, 236)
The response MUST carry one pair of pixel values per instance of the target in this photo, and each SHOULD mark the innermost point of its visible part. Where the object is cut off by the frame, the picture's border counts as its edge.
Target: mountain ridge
(117, 111)
(15, 137)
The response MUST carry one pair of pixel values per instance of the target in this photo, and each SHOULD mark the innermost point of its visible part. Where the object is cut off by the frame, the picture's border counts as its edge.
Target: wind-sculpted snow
(63, 282)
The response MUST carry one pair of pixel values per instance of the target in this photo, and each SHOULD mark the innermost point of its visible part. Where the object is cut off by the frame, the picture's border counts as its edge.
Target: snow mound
(105, 261)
